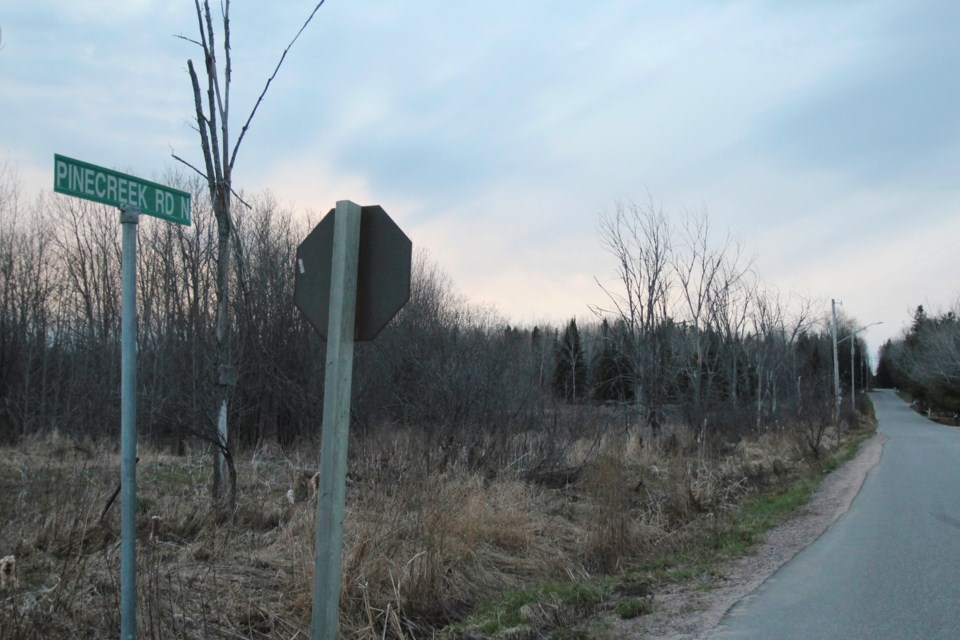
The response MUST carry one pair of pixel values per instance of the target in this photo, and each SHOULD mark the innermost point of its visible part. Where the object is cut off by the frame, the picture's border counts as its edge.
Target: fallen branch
(112, 499)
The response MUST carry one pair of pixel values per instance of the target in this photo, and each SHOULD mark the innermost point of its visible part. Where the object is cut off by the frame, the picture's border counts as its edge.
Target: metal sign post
(129, 216)
(133, 196)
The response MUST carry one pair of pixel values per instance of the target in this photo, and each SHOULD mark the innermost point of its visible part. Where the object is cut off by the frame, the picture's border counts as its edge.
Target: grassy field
(434, 545)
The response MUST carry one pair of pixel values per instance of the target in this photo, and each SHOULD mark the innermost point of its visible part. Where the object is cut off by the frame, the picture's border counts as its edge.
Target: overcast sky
(823, 135)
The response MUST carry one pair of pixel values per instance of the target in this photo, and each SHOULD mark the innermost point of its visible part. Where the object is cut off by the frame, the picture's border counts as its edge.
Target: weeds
(634, 608)
(547, 607)
(758, 516)
(427, 545)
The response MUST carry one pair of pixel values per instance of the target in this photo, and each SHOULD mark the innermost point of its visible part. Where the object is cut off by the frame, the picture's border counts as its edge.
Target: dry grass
(425, 542)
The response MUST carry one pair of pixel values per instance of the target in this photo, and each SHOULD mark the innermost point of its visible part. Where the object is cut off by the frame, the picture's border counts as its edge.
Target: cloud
(884, 111)
(821, 133)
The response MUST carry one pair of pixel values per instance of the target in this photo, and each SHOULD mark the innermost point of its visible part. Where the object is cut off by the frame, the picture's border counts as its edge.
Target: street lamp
(853, 384)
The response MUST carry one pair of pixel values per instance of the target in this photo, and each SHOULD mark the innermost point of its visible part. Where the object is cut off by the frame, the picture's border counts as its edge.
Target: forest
(684, 332)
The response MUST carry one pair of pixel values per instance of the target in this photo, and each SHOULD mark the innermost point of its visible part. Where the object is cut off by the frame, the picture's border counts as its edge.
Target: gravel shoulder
(691, 609)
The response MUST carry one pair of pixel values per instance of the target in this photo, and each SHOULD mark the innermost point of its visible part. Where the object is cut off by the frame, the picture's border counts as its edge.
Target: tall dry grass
(430, 533)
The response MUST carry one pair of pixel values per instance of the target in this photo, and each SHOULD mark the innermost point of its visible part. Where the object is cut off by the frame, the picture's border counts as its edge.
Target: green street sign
(84, 180)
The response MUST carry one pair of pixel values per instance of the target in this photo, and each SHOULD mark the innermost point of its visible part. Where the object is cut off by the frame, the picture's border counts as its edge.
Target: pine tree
(570, 373)
(612, 370)
(887, 373)
(920, 322)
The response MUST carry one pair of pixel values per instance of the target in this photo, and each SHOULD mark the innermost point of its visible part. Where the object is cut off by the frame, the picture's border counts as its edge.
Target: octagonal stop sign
(383, 273)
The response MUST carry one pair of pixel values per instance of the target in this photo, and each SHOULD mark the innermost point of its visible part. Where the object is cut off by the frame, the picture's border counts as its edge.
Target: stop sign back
(383, 273)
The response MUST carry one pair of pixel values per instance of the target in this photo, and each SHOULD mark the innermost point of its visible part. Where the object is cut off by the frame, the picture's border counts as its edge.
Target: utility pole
(853, 385)
(836, 365)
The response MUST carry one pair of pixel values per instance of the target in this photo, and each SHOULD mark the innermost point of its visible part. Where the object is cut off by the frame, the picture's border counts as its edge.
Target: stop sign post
(352, 277)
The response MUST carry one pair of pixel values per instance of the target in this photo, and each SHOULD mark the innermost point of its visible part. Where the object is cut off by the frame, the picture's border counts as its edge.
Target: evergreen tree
(611, 370)
(887, 374)
(570, 373)
(920, 322)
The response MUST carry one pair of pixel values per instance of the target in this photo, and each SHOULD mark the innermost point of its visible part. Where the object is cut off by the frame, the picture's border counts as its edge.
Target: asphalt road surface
(890, 566)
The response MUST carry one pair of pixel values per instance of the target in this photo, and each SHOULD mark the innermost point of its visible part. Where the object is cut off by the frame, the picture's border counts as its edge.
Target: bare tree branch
(190, 40)
(227, 77)
(213, 92)
(242, 201)
(283, 56)
(204, 127)
(178, 158)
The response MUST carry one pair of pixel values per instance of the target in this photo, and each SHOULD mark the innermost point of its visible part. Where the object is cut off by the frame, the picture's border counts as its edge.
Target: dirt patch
(691, 609)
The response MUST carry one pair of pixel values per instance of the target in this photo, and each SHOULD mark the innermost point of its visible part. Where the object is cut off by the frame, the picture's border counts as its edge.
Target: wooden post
(336, 422)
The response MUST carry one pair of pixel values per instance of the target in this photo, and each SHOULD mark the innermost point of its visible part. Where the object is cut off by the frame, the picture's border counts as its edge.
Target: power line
(910, 265)
(920, 297)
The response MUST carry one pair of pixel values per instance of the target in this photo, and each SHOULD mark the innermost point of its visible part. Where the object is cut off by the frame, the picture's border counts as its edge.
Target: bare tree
(776, 323)
(88, 251)
(34, 278)
(700, 329)
(220, 155)
(639, 239)
(709, 279)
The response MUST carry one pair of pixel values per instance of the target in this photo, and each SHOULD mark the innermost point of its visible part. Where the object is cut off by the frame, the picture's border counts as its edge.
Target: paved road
(890, 566)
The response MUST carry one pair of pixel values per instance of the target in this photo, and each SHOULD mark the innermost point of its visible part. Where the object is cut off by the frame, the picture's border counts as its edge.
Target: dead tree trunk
(219, 158)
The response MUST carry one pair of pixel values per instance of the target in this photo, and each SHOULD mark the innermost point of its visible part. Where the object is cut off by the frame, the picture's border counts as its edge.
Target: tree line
(697, 334)
(925, 360)
(689, 335)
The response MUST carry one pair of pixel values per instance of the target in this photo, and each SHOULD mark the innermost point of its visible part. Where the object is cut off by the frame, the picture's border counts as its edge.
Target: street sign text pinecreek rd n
(90, 182)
